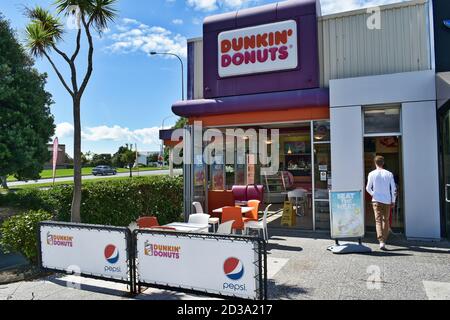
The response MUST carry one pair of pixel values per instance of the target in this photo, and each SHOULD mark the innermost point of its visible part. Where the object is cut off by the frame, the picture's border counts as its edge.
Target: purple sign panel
(260, 50)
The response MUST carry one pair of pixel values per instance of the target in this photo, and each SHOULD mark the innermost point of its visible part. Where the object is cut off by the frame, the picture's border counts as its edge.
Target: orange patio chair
(233, 214)
(254, 214)
(147, 222)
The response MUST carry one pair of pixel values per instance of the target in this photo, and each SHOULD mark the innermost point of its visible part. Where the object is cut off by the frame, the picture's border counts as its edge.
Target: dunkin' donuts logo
(162, 251)
(59, 240)
(264, 48)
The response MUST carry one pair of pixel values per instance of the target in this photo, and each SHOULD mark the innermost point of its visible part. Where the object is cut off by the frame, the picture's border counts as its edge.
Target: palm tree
(43, 34)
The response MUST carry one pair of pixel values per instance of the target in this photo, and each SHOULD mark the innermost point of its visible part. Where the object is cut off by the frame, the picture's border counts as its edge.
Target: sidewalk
(299, 267)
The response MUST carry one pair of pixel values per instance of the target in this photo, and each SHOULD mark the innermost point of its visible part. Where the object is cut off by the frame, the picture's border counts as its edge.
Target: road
(67, 179)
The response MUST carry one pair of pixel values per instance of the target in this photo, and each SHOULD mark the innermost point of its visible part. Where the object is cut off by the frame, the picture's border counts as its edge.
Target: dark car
(104, 171)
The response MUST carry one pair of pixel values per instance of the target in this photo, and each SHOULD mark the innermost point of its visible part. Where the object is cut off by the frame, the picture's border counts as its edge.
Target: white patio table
(188, 227)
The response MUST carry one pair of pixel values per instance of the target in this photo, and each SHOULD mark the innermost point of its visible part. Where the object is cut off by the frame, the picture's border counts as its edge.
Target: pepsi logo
(233, 269)
(111, 254)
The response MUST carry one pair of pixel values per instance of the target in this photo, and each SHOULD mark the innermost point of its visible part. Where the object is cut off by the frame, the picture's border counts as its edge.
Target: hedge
(19, 233)
(113, 202)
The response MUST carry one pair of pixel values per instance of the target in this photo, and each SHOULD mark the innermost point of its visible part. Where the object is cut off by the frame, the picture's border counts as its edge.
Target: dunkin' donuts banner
(217, 266)
(83, 250)
(265, 48)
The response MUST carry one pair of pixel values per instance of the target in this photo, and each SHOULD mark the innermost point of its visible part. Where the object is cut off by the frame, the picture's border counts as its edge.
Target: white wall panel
(421, 174)
(347, 149)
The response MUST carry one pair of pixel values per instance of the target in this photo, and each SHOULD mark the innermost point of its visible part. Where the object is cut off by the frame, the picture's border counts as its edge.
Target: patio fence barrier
(226, 266)
(98, 252)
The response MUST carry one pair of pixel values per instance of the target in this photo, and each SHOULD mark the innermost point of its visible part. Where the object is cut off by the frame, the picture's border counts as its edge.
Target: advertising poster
(220, 267)
(218, 180)
(89, 251)
(347, 215)
(199, 175)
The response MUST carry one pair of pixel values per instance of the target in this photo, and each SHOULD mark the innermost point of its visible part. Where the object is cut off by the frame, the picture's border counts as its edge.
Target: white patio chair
(198, 207)
(199, 218)
(259, 225)
(226, 227)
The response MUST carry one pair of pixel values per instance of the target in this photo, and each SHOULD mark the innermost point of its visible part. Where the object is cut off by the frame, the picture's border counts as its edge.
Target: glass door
(445, 164)
(322, 174)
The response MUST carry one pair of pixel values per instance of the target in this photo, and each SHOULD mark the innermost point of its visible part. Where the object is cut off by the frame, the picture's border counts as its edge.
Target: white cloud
(212, 5)
(147, 136)
(132, 36)
(64, 130)
(177, 21)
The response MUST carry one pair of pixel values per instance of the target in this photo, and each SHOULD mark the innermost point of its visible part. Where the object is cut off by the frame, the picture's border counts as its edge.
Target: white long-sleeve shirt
(381, 186)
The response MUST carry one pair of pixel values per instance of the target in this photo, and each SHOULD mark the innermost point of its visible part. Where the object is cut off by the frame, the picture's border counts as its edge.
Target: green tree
(26, 124)
(101, 160)
(181, 123)
(129, 157)
(44, 32)
(117, 157)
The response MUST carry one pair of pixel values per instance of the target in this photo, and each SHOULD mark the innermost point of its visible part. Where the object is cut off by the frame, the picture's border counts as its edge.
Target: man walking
(381, 186)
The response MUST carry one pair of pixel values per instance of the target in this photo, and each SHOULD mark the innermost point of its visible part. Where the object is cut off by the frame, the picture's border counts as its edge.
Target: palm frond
(66, 6)
(39, 40)
(102, 13)
(49, 23)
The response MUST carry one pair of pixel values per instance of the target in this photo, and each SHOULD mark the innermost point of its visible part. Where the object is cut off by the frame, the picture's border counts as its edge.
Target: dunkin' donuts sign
(264, 48)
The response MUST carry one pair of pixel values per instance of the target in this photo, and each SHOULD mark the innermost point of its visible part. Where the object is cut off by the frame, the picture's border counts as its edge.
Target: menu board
(347, 215)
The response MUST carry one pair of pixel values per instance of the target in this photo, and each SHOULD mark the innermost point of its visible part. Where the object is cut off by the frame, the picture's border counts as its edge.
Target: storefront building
(340, 89)
(441, 9)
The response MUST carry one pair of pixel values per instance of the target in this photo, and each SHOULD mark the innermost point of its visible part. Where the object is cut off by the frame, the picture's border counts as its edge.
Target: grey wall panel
(347, 149)
(421, 174)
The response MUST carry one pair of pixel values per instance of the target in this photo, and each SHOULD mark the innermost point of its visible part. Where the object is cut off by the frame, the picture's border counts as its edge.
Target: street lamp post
(153, 53)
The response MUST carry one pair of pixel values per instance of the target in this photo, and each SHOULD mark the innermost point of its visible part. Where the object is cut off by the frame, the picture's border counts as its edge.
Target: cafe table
(188, 227)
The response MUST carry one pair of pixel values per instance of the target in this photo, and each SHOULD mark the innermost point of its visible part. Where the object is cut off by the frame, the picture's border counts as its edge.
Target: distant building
(143, 157)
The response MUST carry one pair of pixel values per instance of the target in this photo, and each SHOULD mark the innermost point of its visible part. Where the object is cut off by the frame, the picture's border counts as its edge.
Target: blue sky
(130, 92)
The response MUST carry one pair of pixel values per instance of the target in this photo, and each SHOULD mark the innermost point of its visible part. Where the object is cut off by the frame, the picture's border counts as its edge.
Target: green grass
(65, 173)
(62, 183)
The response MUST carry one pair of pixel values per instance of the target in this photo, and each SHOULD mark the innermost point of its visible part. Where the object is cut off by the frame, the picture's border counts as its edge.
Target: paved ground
(142, 173)
(300, 267)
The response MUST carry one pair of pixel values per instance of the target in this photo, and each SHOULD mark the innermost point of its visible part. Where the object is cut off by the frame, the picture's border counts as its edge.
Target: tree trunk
(131, 170)
(4, 182)
(76, 201)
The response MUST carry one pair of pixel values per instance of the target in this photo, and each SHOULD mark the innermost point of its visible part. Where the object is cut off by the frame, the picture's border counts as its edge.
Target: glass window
(322, 131)
(382, 120)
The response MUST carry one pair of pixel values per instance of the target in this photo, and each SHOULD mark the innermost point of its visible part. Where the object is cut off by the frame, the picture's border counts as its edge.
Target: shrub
(113, 202)
(19, 233)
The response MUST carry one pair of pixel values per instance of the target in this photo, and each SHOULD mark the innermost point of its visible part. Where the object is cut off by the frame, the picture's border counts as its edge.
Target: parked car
(104, 171)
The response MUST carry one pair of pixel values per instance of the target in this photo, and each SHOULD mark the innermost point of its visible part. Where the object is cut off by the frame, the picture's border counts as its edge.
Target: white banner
(218, 266)
(95, 252)
(264, 48)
